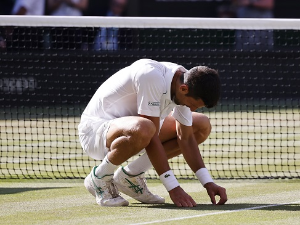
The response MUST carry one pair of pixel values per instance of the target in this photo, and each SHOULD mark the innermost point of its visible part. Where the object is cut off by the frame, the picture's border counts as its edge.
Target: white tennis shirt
(142, 88)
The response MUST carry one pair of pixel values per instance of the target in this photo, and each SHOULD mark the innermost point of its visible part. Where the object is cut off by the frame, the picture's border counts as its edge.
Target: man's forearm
(157, 155)
(194, 159)
(159, 160)
(155, 149)
(191, 153)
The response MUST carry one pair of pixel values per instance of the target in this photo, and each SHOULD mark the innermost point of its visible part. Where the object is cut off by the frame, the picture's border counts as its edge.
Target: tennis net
(51, 66)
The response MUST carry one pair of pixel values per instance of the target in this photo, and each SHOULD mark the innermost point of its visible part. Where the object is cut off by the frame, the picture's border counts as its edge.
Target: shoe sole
(122, 202)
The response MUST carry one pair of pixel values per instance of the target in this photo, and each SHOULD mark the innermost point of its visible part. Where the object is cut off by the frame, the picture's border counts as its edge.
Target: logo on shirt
(153, 103)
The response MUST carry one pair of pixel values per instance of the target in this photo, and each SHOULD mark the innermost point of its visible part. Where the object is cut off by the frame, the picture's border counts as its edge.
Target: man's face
(180, 98)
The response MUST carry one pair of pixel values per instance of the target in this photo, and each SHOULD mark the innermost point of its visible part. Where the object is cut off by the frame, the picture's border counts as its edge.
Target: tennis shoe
(135, 187)
(104, 190)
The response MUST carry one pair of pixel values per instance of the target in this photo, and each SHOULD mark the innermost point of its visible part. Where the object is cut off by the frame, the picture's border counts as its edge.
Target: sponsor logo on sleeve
(154, 103)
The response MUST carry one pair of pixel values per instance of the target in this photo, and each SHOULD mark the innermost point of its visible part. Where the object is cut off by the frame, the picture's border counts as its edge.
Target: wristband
(169, 180)
(203, 176)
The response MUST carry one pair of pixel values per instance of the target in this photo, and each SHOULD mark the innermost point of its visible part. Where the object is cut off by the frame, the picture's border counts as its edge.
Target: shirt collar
(169, 77)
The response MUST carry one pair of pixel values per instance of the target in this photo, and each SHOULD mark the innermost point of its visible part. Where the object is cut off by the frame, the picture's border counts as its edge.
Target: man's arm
(189, 147)
(159, 160)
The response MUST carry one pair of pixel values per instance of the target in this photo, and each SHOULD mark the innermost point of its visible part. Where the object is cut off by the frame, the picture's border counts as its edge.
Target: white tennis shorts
(92, 136)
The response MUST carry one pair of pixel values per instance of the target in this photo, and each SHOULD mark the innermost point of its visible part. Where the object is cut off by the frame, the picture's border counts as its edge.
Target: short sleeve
(183, 115)
(150, 86)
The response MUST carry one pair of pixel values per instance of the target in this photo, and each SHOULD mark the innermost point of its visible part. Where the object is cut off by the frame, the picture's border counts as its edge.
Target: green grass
(67, 202)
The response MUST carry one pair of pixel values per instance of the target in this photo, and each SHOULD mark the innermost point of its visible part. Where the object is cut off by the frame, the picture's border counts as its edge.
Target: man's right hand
(181, 198)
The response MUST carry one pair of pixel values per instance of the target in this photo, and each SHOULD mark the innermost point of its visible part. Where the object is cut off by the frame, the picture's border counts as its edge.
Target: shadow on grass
(226, 207)
(9, 190)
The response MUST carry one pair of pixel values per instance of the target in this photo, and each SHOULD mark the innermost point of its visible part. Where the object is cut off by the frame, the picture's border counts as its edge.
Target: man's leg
(168, 136)
(125, 137)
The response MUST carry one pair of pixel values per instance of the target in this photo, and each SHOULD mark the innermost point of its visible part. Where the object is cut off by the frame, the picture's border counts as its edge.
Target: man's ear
(184, 88)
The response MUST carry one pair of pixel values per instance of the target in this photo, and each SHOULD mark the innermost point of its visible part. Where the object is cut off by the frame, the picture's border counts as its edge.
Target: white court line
(215, 213)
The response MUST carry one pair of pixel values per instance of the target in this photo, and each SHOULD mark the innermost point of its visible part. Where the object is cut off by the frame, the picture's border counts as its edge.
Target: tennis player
(148, 107)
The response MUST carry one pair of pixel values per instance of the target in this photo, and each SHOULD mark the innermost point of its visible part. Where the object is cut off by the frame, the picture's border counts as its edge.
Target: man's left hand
(213, 190)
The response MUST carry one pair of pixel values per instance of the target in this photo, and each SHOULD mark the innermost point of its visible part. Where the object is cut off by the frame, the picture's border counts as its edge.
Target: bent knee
(141, 132)
(145, 128)
(201, 126)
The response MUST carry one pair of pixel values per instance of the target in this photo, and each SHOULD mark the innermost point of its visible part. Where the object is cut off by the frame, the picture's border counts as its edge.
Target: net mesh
(48, 75)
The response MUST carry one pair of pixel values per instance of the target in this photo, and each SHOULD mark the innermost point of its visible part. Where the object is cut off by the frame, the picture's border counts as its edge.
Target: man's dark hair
(204, 83)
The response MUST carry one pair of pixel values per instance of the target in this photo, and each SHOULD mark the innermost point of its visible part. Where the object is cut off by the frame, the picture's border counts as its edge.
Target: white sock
(140, 165)
(105, 168)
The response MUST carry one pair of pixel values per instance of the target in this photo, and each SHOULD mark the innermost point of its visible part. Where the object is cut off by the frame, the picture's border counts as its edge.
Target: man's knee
(144, 129)
(201, 126)
(137, 131)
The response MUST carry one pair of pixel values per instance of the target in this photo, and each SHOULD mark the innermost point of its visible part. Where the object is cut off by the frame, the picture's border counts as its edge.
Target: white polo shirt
(142, 88)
